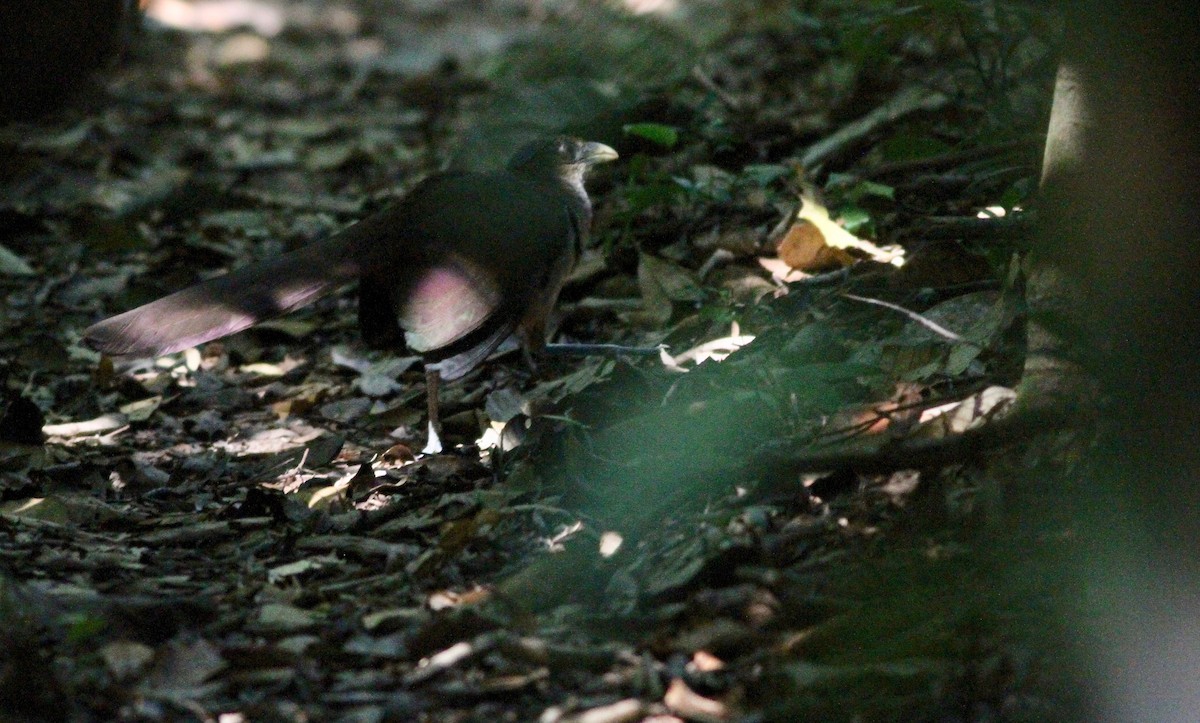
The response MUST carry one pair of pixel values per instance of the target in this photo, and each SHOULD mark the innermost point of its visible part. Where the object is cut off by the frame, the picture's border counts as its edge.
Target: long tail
(233, 302)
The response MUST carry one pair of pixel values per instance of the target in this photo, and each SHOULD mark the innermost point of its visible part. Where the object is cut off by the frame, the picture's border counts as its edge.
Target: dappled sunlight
(714, 349)
(647, 7)
(217, 16)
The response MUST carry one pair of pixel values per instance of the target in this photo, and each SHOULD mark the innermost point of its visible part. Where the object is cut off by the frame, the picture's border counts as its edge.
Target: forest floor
(773, 517)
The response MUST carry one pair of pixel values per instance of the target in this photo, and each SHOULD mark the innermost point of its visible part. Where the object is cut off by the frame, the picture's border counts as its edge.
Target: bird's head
(566, 157)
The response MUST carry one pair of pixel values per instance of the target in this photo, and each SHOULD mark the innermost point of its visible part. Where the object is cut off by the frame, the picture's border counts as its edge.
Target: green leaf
(82, 627)
(854, 218)
(663, 135)
(852, 189)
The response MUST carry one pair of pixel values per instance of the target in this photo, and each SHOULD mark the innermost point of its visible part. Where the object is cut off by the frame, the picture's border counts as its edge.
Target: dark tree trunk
(1115, 279)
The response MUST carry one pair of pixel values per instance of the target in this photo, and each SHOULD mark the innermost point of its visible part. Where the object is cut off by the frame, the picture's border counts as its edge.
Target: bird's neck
(571, 178)
(580, 206)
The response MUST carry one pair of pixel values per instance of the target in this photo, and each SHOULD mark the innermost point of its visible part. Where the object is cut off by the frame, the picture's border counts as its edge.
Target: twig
(908, 100)
(923, 321)
(922, 452)
(299, 465)
(1007, 227)
(947, 160)
(599, 306)
(829, 278)
(601, 350)
(711, 86)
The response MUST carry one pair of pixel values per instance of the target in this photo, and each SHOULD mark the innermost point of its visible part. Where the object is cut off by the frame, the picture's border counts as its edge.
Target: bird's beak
(593, 152)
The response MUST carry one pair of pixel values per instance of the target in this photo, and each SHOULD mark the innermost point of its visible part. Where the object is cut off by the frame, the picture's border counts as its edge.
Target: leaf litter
(247, 530)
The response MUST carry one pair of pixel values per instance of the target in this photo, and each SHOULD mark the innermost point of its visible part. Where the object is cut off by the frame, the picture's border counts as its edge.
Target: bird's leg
(531, 337)
(433, 380)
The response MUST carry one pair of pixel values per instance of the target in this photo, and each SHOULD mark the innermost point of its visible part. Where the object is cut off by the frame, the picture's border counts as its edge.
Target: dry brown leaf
(662, 283)
(815, 242)
(805, 247)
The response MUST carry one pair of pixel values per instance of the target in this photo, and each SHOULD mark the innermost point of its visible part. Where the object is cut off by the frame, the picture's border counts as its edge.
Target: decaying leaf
(971, 413)
(815, 242)
(662, 283)
(13, 265)
(805, 247)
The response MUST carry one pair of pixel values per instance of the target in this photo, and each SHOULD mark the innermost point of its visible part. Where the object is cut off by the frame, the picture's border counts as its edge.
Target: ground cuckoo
(451, 270)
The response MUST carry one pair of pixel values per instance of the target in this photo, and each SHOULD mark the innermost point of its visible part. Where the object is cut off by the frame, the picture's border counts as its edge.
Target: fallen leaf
(815, 242)
(662, 283)
(13, 265)
(125, 659)
(279, 618)
(805, 247)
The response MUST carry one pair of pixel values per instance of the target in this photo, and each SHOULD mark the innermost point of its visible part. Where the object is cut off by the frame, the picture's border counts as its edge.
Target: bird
(451, 270)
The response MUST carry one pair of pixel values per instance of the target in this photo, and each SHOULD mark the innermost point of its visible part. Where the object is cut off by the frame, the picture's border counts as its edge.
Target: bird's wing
(486, 258)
